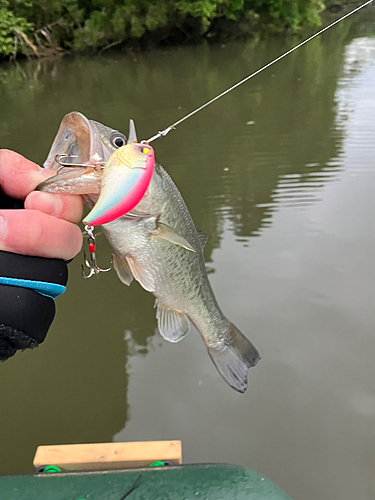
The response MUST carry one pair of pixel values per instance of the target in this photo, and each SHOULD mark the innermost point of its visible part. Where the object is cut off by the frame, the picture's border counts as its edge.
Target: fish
(157, 244)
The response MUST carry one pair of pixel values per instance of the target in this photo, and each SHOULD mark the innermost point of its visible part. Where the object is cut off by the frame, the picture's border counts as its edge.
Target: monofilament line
(174, 125)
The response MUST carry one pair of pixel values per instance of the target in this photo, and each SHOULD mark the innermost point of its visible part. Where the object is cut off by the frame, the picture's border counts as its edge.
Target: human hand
(46, 228)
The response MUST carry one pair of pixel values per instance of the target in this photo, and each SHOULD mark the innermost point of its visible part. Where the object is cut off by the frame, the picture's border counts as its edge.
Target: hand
(46, 228)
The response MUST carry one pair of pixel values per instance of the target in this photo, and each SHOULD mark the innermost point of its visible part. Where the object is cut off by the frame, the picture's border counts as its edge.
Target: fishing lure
(126, 177)
(125, 180)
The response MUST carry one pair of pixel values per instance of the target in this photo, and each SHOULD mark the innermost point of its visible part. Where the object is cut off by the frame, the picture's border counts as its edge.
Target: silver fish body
(158, 245)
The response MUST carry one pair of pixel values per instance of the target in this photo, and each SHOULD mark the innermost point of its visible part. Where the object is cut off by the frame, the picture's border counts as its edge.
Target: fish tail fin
(234, 358)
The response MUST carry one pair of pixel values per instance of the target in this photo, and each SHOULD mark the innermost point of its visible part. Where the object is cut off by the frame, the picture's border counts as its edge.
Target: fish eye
(117, 139)
(68, 135)
(145, 150)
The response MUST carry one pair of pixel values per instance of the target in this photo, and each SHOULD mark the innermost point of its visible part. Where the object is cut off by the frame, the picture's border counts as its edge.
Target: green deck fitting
(187, 482)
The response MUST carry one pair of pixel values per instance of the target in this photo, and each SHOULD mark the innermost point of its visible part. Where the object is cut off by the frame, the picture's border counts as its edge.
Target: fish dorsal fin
(142, 275)
(173, 325)
(203, 237)
(122, 269)
(169, 234)
(132, 132)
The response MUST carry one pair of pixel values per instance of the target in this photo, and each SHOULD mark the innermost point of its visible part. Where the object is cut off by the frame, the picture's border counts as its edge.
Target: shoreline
(55, 39)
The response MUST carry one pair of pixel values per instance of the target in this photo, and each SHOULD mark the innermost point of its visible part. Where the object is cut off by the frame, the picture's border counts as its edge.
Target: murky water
(280, 173)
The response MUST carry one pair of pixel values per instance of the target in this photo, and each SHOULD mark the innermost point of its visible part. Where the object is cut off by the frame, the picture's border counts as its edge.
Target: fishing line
(164, 132)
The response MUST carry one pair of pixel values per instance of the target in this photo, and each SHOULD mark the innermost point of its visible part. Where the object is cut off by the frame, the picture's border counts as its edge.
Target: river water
(280, 173)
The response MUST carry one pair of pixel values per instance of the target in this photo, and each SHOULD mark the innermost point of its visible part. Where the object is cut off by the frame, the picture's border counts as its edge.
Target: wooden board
(98, 456)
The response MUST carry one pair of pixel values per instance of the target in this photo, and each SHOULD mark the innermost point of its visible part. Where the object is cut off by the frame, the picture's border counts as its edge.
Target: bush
(96, 24)
(10, 29)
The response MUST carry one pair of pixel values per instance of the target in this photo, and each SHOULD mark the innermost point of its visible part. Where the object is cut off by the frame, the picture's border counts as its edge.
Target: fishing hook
(93, 266)
(58, 159)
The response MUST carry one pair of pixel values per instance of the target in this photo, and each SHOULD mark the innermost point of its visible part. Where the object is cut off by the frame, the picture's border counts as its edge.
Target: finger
(65, 207)
(19, 176)
(31, 232)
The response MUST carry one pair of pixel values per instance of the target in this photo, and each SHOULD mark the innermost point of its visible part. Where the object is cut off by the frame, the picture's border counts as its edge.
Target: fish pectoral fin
(203, 237)
(142, 275)
(122, 269)
(169, 234)
(173, 325)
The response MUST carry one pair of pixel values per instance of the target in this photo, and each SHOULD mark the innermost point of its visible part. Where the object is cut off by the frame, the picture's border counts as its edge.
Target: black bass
(158, 245)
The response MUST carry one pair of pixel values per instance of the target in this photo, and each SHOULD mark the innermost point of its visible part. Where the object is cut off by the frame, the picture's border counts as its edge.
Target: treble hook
(58, 159)
(93, 266)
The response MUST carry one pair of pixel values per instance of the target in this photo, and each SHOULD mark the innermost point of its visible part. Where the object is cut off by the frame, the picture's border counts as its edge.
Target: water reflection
(291, 152)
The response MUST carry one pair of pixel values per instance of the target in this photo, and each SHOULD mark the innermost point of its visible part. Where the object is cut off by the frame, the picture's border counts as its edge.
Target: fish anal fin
(203, 237)
(173, 325)
(122, 269)
(169, 234)
(142, 275)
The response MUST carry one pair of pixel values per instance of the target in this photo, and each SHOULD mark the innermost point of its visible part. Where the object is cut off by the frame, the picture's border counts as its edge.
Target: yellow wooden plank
(108, 455)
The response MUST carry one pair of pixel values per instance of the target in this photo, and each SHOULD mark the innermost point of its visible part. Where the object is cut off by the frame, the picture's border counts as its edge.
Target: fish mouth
(79, 139)
(80, 142)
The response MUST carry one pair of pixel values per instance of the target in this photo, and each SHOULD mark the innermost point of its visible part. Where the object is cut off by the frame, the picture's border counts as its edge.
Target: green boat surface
(186, 482)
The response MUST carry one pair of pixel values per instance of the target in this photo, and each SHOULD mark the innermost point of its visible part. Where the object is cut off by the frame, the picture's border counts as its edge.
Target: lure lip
(126, 178)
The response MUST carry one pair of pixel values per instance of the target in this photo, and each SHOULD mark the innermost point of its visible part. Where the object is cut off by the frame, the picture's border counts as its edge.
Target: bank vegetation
(42, 27)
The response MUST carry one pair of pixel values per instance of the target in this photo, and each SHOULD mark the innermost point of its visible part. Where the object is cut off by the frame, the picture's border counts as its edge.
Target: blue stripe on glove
(51, 290)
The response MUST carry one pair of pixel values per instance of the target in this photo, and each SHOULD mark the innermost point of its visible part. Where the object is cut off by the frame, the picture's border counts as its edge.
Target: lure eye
(145, 150)
(117, 139)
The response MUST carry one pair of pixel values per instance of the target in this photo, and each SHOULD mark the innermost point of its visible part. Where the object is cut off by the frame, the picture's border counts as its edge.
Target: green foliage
(284, 13)
(208, 10)
(97, 24)
(9, 24)
(157, 16)
(112, 23)
(289, 13)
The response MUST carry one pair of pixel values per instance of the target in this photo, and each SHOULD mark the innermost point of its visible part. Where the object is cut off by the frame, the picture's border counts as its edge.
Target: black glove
(28, 286)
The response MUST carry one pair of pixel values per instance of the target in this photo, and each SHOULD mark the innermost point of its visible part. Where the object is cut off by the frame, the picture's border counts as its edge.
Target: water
(288, 203)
